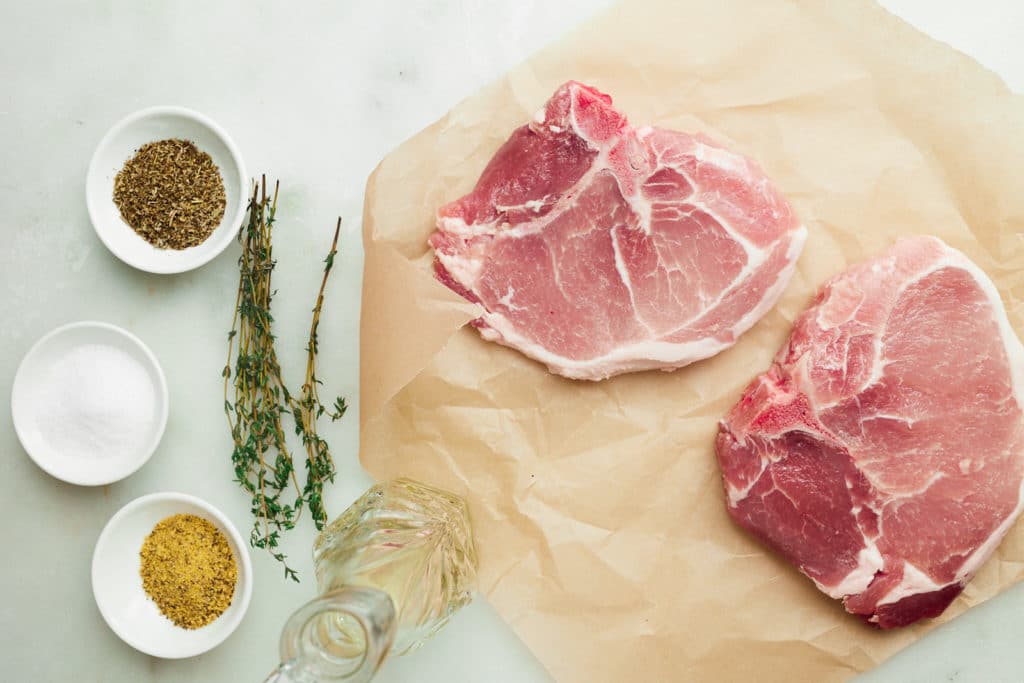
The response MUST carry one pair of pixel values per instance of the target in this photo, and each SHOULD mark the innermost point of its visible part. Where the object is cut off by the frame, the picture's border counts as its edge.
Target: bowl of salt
(89, 403)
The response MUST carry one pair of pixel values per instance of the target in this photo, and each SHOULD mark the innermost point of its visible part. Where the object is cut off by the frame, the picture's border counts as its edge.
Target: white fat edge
(914, 582)
(1011, 342)
(453, 225)
(555, 129)
(539, 116)
(772, 294)
(981, 554)
(1015, 357)
(869, 562)
(647, 354)
(463, 269)
(643, 355)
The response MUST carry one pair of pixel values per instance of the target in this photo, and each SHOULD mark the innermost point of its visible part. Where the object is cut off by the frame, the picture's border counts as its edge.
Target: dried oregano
(171, 193)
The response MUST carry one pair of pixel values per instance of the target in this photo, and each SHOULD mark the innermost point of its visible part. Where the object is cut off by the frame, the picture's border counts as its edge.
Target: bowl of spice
(171, 575)
(89, 403)
(166, 190)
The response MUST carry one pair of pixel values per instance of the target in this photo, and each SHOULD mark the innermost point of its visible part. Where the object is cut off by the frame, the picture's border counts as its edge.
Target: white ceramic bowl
(117, 584)
(120, 144)
(30, 406)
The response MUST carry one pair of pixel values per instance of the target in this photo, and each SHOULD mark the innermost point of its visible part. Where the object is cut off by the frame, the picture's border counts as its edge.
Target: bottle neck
(341, 636)
(290, 673)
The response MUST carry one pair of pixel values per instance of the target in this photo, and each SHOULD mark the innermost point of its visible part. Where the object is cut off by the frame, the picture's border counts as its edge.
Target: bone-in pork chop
(883, 452)
(597, 248)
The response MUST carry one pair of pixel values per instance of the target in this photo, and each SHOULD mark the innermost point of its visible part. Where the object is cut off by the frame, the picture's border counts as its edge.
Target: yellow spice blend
(188, 570)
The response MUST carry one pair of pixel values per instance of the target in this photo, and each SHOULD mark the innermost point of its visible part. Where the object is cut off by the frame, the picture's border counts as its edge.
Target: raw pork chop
(598, 249)
(883, 452)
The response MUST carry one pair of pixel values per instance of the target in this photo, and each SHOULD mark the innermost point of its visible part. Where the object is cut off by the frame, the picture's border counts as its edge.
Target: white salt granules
(96, 402)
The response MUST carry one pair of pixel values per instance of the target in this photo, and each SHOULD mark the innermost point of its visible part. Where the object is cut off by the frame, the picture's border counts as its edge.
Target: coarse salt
(96, 401)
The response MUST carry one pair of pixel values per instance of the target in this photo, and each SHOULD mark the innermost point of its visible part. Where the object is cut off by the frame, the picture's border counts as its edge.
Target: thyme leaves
(263, 463)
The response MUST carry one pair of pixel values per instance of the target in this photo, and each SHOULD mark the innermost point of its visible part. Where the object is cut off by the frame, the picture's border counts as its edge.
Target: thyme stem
(262, 462)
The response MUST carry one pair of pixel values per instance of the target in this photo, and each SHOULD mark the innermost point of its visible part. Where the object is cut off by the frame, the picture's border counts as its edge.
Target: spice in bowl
(171, 193)
(188, 570)
(97, 402)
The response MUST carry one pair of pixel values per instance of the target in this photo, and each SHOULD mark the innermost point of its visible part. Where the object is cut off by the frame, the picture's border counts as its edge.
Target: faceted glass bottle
(391, 571)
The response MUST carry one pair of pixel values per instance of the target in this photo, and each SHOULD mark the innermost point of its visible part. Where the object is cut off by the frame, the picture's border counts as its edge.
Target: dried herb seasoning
(188, 570)
(171, 193)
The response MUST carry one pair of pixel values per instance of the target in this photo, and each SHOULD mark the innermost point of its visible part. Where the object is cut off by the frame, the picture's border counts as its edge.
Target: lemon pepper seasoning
(188, 570)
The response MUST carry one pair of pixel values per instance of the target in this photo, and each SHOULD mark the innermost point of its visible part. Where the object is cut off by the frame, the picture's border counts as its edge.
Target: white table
(314, 93)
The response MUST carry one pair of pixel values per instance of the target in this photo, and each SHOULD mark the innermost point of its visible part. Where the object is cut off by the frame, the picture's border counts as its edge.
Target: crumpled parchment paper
(598, 507)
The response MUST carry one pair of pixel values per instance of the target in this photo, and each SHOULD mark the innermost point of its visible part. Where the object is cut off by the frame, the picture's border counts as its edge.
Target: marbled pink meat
(598, 249)
(883, 452)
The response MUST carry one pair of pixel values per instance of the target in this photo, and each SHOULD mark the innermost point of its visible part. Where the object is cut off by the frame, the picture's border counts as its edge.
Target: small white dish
(120, 144)
(31, 411)
(117, 583)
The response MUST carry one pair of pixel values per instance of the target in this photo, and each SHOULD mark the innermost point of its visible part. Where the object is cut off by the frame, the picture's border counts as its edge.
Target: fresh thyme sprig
(319, 463)
(262, 462)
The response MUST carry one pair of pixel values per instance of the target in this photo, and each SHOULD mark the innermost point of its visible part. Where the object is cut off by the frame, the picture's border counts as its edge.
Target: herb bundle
(263, 464)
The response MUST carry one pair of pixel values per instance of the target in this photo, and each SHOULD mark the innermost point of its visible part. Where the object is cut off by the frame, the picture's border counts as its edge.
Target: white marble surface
(316, 93)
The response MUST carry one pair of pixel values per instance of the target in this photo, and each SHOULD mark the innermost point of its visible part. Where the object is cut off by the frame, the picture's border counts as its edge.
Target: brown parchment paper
(598, 507)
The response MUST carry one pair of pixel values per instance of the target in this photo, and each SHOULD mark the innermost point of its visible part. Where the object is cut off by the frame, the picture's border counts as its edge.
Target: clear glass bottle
(391, 571)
